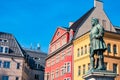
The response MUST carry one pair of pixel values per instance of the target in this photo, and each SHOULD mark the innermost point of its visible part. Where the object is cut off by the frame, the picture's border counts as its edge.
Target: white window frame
(4, 49)
(69, 67)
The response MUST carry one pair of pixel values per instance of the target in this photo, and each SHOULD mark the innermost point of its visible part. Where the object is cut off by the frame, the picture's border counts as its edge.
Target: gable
(59, 32)
(86, 25)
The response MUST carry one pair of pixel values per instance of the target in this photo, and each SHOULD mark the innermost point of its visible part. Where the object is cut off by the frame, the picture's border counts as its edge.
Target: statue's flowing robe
(96, 38)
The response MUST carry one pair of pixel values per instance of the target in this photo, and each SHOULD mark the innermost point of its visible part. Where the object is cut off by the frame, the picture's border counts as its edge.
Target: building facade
(17, 63)
(82, 42)
(59, 61)
(36, 63)
(11, 58)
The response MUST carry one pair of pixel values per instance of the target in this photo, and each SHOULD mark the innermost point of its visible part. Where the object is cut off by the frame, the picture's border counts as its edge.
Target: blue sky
(35, 21)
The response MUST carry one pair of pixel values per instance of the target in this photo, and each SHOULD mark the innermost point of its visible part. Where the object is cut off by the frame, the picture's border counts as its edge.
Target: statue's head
(94, 21)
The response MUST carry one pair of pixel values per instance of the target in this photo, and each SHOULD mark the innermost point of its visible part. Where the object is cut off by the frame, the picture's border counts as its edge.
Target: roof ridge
(81, 19)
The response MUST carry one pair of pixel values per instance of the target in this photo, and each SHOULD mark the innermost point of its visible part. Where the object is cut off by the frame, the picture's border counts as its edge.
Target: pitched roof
(14, 46)
(81, 20)
(34, 54)
(63, 28)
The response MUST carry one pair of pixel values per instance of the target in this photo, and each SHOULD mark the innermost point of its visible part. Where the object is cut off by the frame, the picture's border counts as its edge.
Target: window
(58, 33)
(18, 66)
(37, 76)
(52, 77)
(57, 58)
(4, 49)
(57, 44)
(79, 70)
(39, 66)
(1, 49)
(114, 49)
(0, 63)
(69, 52)
(115, 68)
(63, 55)
(78, 52)
(64, 40)
(104, 23)
(68, 67)
(81, 50)
(85, 49)
(62, 71)
(89, 48)
(48, 77)
(5, 77)
(106, 65)
(3, 40)
(68, 78)
(6, 64)
(65, 68)
(0, 40)
(88, 66)
(83, 69)
(57, 73)
(17, 78)
(109, 48)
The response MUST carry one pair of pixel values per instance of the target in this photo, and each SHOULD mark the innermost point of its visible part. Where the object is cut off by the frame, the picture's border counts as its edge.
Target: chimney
(98, 4)
(70, 23)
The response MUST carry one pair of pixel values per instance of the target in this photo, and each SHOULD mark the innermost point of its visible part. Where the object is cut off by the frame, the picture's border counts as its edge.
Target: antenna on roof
(31, 46)
(38, 47)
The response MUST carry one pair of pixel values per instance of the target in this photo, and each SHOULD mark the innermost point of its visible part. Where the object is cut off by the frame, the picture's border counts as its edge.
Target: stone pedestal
(100, 75)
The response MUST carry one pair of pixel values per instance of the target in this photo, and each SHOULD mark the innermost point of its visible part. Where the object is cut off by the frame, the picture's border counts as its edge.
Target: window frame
(5, 77)
(18, 66)
(4, 49)
(6, 65)
(115, 49)
(109, 48)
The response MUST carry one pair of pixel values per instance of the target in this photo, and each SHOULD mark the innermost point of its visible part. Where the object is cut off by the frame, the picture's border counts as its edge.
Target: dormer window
(3, 40)
(4, 49)
(58, 33)
(0, 40)
(36, 58)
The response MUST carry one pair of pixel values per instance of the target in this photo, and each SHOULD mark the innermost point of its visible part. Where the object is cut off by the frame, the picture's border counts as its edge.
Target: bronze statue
(97, 45)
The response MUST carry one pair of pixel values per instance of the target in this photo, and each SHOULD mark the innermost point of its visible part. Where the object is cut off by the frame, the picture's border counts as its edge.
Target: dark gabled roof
(14, 46)
(81, 20)
(35, 53)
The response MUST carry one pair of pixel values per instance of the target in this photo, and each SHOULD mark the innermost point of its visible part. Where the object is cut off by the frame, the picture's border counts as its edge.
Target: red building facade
(59, 61)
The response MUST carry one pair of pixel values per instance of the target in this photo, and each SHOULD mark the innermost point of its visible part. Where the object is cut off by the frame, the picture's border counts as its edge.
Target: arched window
(79, 70)
(85, 49)
(81, 50)
(83, 69)
(114, 49)
(104, 23)
(109, 48)
(68, 67)
(78, 52)
(89, 48)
